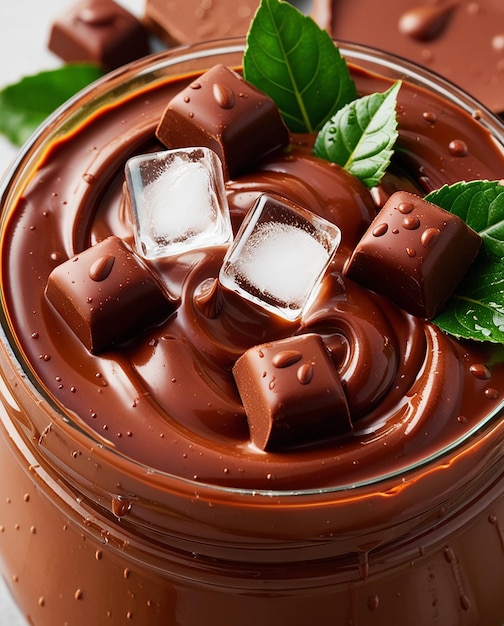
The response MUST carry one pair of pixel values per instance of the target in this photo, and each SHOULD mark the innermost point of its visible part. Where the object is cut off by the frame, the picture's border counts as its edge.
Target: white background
(24, 31)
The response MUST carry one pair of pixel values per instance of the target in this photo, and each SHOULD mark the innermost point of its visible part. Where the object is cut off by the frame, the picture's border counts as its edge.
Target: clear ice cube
(178, 201)
(279, 256)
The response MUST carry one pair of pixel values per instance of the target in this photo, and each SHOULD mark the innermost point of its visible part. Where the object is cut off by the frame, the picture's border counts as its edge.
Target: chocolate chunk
(291, 392)
(196, 20)
(221, 111)
(414, 253)
(101, 32)
(106, 295)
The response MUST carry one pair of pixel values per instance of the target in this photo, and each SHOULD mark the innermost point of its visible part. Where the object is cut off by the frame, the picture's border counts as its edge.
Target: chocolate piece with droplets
(291, 392)
(414, 253)
(106, 295)
(101, 32)
(223, 112)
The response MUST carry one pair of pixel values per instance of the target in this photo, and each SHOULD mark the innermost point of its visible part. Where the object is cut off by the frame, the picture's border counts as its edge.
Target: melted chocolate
(167, 398)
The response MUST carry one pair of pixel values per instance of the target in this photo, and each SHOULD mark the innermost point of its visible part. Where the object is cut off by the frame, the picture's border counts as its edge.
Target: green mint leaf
(26, 104)
(476, 309)
(480, 203)
(361, 136)
(296, 63)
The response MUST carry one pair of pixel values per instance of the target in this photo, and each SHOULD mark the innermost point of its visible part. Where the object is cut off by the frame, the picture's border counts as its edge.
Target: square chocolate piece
(414, 253)
(291, 392)
(221, 111)
(100, 32)
(106, 295)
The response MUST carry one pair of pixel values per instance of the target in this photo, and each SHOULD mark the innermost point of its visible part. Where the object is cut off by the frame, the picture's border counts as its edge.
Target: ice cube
(279, 256)
(178, 201)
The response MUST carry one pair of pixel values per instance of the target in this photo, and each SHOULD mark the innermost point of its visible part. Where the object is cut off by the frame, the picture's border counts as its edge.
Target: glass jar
(88, 535)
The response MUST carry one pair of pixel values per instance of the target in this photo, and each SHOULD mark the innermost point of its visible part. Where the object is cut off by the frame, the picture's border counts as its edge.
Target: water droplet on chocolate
(480, 370)
(405, 207)
(305, 373)
(195, 85)
(380, 230)
(429, 117)
(425, 22)
(88, 178)
(411, 222)
(223, 95)
(286, 358)
(458, 148)
(120, 506)
(498, 42)
(411, 252)
(97, 15)
(491, 393)
(101, 267)
(429, 237)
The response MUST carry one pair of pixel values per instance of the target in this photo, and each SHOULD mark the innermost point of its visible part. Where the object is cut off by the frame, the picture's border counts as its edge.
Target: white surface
(24, 30)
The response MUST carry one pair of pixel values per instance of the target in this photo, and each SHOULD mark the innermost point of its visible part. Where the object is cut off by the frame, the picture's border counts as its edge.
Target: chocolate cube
(221, 111)
(291, 392)
(414, 253)
(106, 295)
(100, 32)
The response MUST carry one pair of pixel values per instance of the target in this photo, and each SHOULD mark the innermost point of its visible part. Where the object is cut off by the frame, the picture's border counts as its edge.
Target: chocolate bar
(291, 392)
(222, 112)
(414, 253)
(106, 295)
(100, 32)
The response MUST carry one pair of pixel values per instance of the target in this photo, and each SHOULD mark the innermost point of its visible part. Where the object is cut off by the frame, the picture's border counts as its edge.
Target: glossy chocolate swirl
(167, 398)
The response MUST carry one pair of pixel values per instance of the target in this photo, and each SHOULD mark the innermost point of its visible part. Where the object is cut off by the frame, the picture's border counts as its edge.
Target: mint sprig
(296, 63)
(26, 104)
(361, 136)
(476, 310)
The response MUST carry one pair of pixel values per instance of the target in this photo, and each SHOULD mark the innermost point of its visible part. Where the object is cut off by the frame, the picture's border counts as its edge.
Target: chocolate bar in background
(463, 41)
(100, 32)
